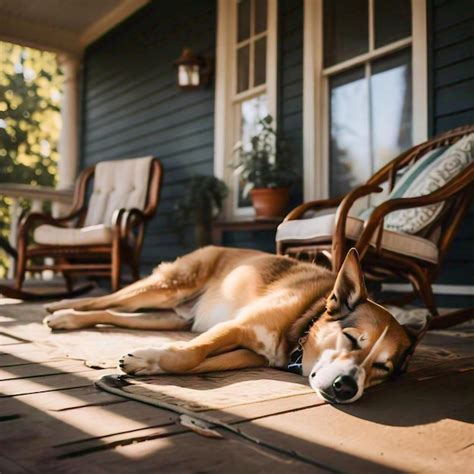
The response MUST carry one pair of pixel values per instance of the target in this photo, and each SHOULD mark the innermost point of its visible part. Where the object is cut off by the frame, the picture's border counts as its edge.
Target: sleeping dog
(253, 309)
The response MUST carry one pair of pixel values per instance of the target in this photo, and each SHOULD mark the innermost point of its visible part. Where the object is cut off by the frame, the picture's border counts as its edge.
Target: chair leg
(69, 281)
(424, 289)
(116, 266)
(20, 267)
(452, 319)
(135, 271)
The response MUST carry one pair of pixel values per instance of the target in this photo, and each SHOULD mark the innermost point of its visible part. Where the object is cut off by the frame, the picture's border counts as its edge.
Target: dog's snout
(345, 387)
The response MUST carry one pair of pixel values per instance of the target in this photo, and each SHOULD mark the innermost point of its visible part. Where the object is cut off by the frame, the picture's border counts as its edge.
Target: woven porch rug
(99, 347)
(214, 391)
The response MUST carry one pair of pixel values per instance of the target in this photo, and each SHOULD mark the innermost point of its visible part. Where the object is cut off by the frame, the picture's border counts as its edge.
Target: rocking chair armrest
(298, 211)
(376, 219)
(28, 220)
(339, 235)
(132, 218)
(124, 220)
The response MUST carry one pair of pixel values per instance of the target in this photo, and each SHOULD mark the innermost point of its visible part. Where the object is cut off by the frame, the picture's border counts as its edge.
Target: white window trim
(225, 125)
(315, 92)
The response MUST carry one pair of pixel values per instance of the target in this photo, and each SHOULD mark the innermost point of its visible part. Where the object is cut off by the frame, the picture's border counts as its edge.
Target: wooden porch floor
(53, 419)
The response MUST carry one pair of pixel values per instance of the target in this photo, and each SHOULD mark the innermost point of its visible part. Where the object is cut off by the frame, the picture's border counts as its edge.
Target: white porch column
(69, 139)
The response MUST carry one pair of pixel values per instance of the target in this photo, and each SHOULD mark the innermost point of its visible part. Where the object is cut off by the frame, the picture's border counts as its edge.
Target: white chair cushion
(321, 229)
(316, 229)
(119, 184)
(91, 235)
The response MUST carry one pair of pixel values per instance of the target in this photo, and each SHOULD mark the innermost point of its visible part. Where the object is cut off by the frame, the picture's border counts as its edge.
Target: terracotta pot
(270, 202)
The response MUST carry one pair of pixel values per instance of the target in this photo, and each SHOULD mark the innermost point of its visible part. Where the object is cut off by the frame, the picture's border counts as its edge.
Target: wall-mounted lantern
(193, 70)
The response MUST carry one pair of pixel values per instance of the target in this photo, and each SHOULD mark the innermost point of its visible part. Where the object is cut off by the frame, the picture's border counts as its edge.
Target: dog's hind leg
(158, 320)
(170, 285)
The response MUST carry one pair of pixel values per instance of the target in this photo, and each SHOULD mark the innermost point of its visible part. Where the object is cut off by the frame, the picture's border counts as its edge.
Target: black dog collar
(295, 361)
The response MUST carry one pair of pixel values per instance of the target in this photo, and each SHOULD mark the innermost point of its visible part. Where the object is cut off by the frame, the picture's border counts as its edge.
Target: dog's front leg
(183, 357)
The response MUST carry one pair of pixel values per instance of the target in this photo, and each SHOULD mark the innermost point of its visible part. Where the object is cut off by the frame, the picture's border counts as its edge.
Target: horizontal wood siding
(132, 106)
(451, 30)
(290, 82)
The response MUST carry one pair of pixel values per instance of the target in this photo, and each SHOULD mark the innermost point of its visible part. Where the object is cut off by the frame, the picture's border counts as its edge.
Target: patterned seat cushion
(320, 229)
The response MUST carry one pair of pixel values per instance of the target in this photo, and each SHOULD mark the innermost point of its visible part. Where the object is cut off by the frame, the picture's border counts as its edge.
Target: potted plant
(200, 205)
(265, 168)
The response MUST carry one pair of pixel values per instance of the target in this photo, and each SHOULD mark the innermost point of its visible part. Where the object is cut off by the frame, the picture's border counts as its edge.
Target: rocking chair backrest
(144, 174)
(120, 184)
(443, 229)
(391, 170)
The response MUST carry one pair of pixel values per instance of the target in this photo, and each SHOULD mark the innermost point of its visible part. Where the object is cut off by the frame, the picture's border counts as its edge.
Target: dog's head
(356, 343)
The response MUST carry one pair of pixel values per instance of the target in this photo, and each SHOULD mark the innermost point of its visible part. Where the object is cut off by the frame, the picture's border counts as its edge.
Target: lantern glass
(188, 75)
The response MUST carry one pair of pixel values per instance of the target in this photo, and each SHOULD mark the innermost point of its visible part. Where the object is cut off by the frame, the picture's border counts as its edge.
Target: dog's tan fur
(251, 308)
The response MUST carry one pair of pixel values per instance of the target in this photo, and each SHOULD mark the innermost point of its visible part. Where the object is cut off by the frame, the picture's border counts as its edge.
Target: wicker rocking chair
(387, 253)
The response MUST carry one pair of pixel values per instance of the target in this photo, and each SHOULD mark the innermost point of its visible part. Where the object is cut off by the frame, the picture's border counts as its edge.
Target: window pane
(392, 20)
(243, 68)
(260, 15)
(251, 112)
(243, 27)
(260, 62)
(350, 162)
(391, 107)
(346, 29)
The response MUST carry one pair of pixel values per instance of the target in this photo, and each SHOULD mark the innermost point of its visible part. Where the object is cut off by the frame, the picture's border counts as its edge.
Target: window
(364, 107)
(245, 84)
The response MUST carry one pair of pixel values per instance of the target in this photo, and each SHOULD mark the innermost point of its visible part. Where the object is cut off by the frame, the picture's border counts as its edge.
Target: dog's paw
(143, 361)
(66, 304)
(65, 319)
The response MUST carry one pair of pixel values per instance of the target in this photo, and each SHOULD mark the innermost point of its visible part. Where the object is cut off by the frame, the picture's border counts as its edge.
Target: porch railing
(38, 195)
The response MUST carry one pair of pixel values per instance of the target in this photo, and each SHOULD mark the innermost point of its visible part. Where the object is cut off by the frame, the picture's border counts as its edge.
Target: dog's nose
(345, 387)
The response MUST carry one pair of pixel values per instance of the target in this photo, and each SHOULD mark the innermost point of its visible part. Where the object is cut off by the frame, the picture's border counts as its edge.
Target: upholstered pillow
(429, 174)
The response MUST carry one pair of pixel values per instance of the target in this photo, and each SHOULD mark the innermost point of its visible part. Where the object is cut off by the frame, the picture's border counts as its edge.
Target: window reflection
(391, 107)
(251, 112)
(362, 142)
(349, 148)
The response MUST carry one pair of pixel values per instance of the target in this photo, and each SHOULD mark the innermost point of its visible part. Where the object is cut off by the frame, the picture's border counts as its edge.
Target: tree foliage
(30, 120)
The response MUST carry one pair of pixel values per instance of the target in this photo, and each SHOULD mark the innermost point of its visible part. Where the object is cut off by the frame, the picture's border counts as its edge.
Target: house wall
(132, 106)
(451, 58)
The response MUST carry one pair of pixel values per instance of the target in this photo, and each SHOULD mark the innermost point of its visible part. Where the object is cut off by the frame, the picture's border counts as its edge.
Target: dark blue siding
(132, 106)
(451, 39)
(290, 81)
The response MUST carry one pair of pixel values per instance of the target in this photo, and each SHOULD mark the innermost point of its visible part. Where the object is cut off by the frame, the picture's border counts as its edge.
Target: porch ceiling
(62, 26)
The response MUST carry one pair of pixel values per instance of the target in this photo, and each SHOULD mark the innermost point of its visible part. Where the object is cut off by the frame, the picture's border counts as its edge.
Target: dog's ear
(414, 321)
(349, 289)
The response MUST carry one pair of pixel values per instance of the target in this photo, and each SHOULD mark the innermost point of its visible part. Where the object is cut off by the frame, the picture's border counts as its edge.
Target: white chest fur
(207, 316)
(268, 345)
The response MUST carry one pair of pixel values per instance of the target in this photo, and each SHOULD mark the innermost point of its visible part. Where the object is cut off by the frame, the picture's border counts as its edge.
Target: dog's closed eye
(385, 367)
(357, 339)
(353, 341)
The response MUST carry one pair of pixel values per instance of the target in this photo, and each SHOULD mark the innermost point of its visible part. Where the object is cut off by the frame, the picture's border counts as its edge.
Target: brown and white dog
(253, 309)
